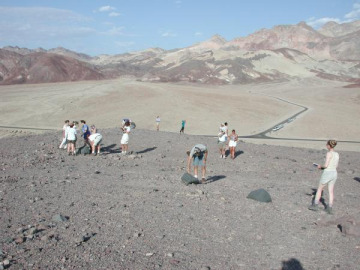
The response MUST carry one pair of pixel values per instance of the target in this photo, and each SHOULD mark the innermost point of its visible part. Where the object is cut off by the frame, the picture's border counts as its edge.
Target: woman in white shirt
(328, 177)
(125, 138)
(71, 139)
(232, 143)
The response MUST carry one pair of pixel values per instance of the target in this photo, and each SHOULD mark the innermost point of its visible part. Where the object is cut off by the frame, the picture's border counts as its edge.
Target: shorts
(71, 141)
(222, 145)
(97, 140)
(232, 143)
(199, 161)
(125, 138)
(328, 177)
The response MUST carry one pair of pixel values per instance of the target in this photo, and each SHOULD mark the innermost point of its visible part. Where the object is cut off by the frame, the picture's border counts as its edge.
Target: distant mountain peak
(218, 39)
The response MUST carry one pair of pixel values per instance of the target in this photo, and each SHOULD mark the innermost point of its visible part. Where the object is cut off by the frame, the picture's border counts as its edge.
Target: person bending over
(95, 140)
(198, 155)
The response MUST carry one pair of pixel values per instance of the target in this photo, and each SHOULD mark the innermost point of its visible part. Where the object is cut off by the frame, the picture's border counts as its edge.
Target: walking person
(63, 142)
(71, 139)
(125, 138)
(157, 120)
(328, 177)
(183, 122)
(232, 143)
(198, 155)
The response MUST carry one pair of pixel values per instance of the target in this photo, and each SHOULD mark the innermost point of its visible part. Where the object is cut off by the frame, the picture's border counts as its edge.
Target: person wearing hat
(198, 154)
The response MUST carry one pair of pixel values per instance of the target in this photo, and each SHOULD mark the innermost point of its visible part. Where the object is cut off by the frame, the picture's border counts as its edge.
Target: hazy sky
(111, 27)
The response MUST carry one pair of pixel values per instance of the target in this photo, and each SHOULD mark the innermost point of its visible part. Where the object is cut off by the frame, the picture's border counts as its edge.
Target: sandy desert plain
(133, 212)
(333, 111)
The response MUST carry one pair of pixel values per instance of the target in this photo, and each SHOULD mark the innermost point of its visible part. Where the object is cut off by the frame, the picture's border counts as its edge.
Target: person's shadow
(109, 149)
(146, 150)
(215, 178)
(313, 194)
(292, 264)
(357, 179)
(237, 153)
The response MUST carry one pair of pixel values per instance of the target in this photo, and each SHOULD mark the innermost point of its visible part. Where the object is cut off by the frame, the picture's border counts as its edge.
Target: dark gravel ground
(133, 212)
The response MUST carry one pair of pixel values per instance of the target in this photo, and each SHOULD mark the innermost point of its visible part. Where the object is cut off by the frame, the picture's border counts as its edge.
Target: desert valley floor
(133, 212)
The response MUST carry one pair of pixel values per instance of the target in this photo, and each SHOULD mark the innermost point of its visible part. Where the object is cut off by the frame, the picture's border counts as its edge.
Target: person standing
(232, 143)
(198, 154)
(222, 143)
(125, 138)
(328, 177)
(183, 122)
(85, 132)
(157, 123)
(71, 139)
(63, 142)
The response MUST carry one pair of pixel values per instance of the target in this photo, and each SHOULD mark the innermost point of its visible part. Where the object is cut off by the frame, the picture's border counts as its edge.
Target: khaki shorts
(222, 145)
(328, 177)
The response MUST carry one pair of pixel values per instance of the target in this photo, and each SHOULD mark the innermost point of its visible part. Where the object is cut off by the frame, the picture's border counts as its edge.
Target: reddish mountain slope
(44, 67)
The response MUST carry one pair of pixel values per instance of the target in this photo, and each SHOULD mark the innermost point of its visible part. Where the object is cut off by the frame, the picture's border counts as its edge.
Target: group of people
(226, 141)
(198, 154)
(90, 136)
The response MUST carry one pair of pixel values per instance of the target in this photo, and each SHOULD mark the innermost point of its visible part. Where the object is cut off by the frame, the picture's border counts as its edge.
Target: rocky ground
(133, 212)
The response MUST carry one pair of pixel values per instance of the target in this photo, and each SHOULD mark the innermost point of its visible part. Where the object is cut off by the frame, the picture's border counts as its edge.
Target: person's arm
(205, 157)
(327, 161)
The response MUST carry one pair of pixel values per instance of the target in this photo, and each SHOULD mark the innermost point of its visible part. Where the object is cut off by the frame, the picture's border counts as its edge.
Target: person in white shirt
(328, 177)
(70, 136)
(125, 138)
(222, 143)
(232, 143)
(63, 142)
(157, 123)
(95, 140)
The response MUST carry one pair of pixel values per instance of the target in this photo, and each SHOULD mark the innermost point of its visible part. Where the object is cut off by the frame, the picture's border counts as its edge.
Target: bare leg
(196, 170)
(203, 171)
(331, 194)
(318, 193)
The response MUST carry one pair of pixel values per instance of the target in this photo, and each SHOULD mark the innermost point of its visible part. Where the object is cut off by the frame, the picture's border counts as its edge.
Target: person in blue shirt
(85, 132)
(183, 122)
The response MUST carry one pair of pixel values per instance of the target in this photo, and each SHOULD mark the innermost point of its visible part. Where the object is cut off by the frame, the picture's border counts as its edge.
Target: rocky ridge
(284, 52)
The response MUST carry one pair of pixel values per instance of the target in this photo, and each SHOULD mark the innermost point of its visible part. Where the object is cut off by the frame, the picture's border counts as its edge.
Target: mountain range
(284, 52)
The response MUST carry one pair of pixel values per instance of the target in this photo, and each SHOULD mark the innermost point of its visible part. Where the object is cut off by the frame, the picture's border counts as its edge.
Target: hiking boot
(203, 180)
(314, 207)
(329, 210)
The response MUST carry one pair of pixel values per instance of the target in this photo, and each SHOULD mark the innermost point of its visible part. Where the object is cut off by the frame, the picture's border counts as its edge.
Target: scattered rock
(260, 195)
(20, 240)
(149, 254)
(59, 218)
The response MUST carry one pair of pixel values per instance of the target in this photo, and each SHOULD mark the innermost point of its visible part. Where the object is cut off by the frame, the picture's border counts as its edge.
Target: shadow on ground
(313, 194)
(110, 149)
(146, 150)
(357, 179)
(215, 178)
(292, 264)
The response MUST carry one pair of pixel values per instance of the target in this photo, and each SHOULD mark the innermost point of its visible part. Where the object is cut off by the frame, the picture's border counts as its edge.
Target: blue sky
(112, 27)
